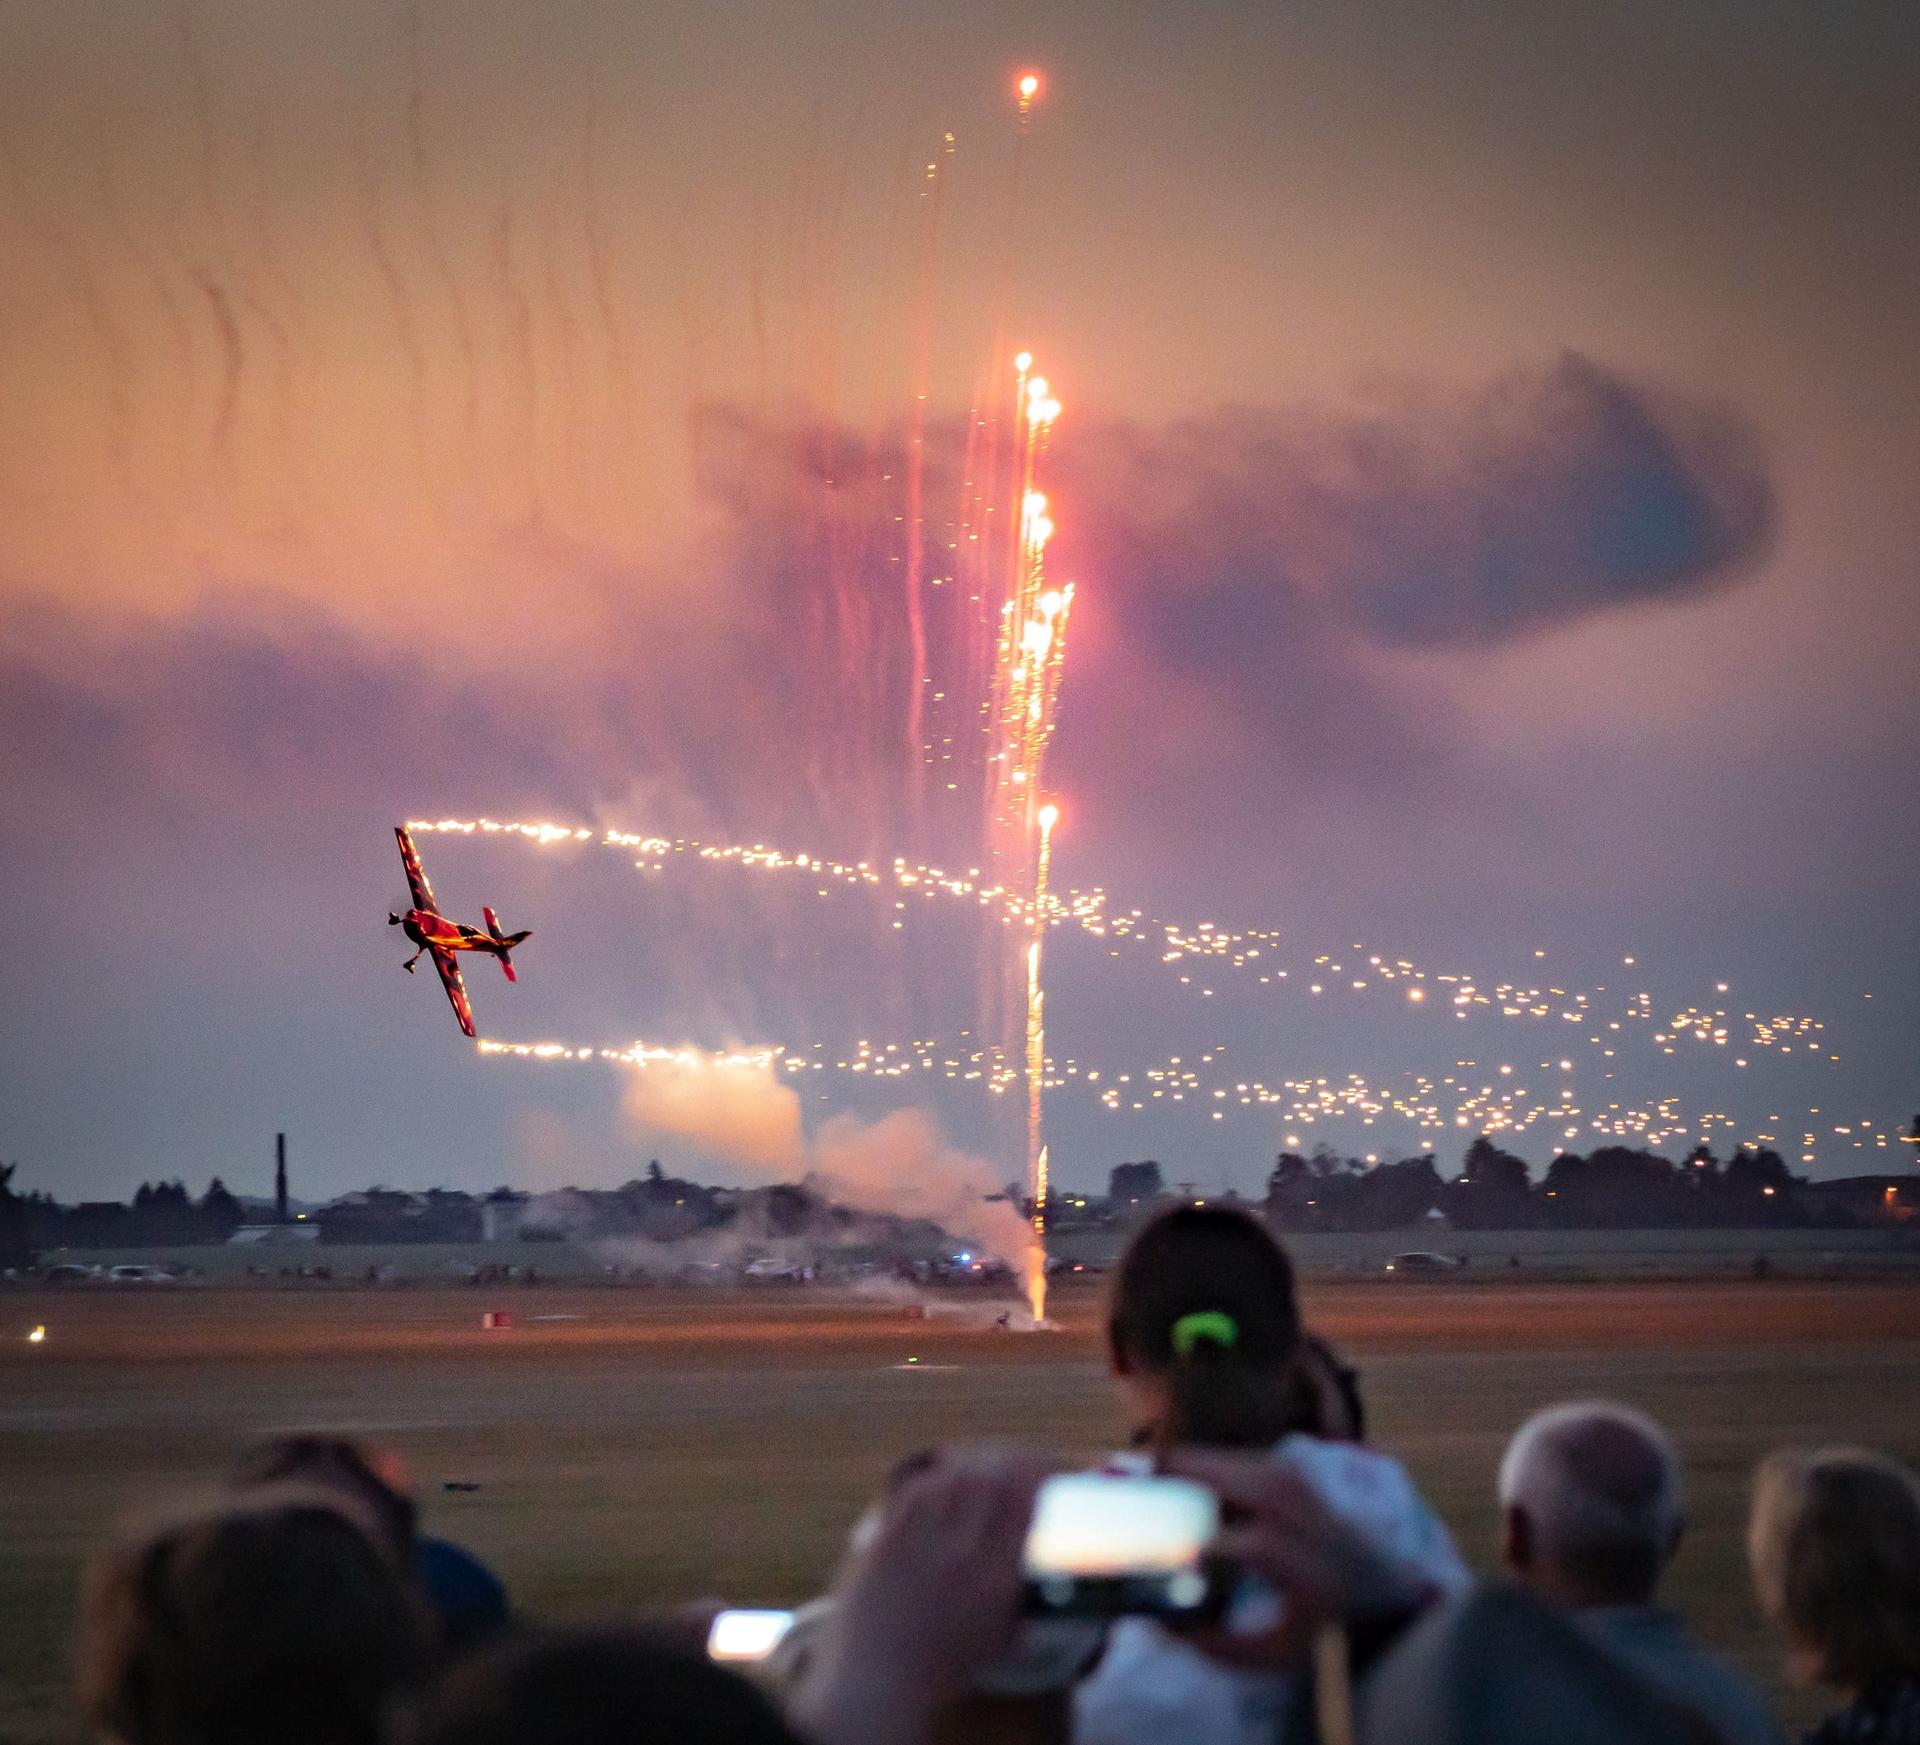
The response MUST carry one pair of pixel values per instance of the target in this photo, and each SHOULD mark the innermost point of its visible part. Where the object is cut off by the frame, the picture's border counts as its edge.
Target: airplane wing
(416, 873)
(456, 988)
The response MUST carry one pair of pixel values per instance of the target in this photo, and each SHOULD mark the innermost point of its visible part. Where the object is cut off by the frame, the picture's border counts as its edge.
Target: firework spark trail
(1494, 1099)
(1026, 90)
(1036, 1060)
(992, 817)
(837, 523)
(1184, 948)
(926, 279)
(1026, 689)
(1477, 1096)
(1034, 655)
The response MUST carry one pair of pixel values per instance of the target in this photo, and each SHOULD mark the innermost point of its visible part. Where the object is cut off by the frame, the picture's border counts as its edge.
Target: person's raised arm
(931, 1597)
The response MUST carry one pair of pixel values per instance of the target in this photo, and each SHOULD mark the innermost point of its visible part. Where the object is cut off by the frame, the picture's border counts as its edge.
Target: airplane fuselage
(425, 927)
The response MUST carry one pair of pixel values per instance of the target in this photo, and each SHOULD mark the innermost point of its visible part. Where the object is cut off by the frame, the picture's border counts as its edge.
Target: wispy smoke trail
(399, 299)
(554, 280)
(83, 286)
(172, 311)
(201, 87)
(224, 284)
(459, 321)
(519, 319)
(233, 355)
(291, 337)
(600, 277)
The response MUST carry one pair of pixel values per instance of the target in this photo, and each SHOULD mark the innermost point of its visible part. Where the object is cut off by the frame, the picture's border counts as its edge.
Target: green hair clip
(1205, 1326)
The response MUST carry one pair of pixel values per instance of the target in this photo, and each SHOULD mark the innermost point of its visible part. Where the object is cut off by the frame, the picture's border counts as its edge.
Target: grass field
(639, 1446)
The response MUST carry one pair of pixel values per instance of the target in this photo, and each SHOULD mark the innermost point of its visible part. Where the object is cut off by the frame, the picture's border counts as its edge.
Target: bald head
(1590, 1494)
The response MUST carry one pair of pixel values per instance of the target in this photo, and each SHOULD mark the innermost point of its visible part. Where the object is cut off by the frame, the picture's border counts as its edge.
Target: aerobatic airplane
(435, 934)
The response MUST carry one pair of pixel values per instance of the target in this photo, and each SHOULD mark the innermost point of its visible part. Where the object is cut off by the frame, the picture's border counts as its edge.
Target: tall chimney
(280, 1178)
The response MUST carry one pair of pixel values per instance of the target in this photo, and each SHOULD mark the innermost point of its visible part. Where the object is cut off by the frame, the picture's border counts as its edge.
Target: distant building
(503, 1214)
(1867, 1199)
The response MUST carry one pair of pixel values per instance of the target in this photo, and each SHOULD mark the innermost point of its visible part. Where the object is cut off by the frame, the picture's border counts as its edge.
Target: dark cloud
(1428, 519)
(257, 708)
(1250, 573)
(1249, 576)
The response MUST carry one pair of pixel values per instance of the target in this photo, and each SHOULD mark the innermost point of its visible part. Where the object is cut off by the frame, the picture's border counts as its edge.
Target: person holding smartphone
(1225, 1386)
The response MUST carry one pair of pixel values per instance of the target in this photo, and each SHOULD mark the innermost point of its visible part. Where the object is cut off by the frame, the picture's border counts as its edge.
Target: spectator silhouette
(277, 1618)
(1499, 1666)
(1206, 1343)
(464, 1597)
(591, 1687)
(1834, 1542)
(1591, 1508)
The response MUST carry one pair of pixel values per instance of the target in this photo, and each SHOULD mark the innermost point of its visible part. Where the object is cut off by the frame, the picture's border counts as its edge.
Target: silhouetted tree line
(1614, 1187)
(383, 1214)
(161, 1214)
(658, 1207)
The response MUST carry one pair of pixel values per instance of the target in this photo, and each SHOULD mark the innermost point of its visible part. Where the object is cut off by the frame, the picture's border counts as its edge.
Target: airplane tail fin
(505, 942)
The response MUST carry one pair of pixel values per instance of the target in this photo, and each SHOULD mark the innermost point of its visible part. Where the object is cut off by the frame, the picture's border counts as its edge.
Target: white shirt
(1151, 1688)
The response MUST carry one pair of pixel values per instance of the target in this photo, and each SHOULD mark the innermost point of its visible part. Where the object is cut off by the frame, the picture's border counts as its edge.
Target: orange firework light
(1202, 956)
(1032, 658)
(1026, 88)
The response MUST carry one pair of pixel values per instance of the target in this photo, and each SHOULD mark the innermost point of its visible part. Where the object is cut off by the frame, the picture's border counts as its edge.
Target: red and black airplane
(433, 932)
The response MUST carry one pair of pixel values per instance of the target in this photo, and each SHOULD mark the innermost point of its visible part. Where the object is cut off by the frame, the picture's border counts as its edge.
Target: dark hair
(1241, 1388)
(1339, 1410)
(279, 1622)
(592, 1687)
(333, 1463)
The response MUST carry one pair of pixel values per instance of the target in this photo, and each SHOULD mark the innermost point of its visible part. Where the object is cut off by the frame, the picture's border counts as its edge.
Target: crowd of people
(305, 1607)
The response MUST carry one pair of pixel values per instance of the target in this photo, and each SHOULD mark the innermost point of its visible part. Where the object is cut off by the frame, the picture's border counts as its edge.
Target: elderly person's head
(1591, 1505)
(1834, 1542)
(279, 1618)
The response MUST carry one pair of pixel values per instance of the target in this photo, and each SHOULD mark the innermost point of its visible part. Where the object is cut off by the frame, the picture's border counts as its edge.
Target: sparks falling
(1026, 690)
(1529, 1092)
(1048, 816)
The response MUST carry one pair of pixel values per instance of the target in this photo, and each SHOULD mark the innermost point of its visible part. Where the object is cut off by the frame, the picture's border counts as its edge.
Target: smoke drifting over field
(737, 1112)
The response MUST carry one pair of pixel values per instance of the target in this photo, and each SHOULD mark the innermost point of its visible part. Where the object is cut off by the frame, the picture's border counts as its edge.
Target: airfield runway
(632, 1446)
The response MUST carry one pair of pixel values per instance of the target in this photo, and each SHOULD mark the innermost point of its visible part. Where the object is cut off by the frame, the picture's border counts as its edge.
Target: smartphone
(746, 1635)
(1104, 1545)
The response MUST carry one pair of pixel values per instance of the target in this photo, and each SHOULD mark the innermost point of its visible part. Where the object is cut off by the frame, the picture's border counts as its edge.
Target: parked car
(1426, 1260)
(69, 1272)
(768, 1270)
(127, 1274)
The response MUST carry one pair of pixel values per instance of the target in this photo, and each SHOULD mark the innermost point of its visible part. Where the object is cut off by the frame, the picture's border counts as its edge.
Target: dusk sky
(1487, 473)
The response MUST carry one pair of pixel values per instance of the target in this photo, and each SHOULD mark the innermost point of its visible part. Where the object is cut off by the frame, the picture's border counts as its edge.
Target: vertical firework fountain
(1026, 688)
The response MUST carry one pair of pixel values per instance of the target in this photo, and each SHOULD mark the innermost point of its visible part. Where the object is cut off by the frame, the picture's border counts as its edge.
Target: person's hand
(929, 1598)
(1279, 1530)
